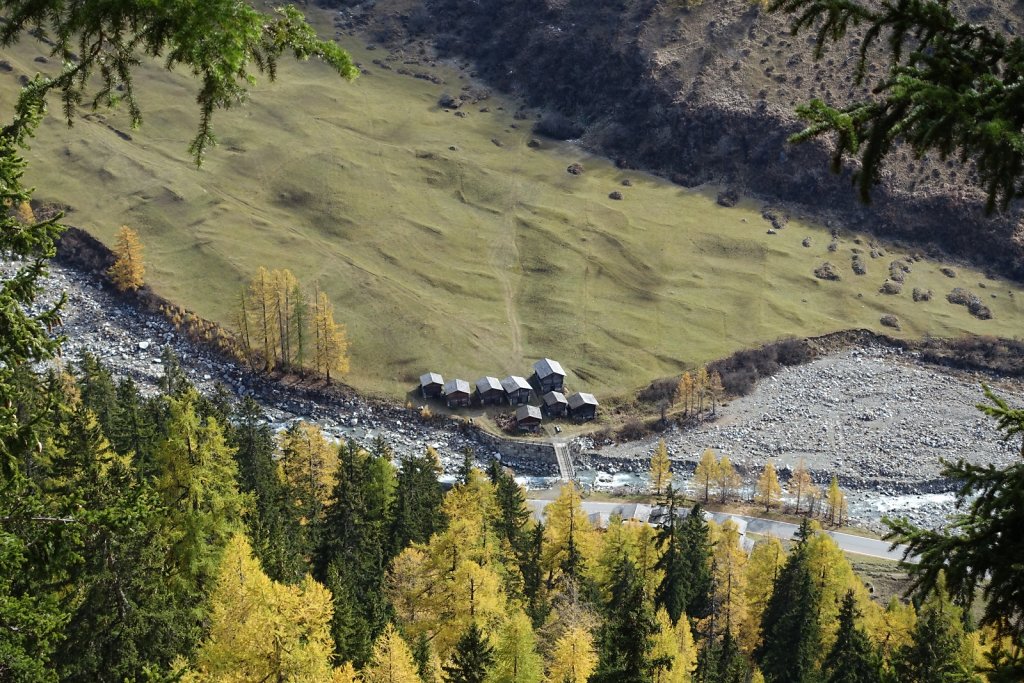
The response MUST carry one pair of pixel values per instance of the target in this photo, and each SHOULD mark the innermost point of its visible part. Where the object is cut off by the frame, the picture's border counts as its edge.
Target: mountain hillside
(705, 93)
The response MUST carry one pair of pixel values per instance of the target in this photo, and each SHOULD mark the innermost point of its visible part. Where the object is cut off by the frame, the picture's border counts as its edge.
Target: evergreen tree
(513, 513)
(352, 555)
(673, 592)
(96, 390)
(133, 429)
(790, 632)
(416, 512)
(696, 548)
(472, 659)
(278, 540)
(940, 651)
(852, 658)
(630, 625)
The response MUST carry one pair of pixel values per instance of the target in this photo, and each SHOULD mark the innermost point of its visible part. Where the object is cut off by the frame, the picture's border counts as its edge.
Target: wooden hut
(582, 406)
(528, 418)
(431, 385)
(555, 404)
(456, 393)
(517, 390)
(550, 375)
(489, 391)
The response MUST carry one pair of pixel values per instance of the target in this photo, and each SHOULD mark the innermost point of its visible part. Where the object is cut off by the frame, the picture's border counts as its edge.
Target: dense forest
(176, 535)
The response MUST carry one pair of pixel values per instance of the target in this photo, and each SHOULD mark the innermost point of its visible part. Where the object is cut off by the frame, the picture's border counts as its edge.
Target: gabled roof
(431, 378)
(545, 367)
(526, 412)
(456, 386)
(485, 384)
(554, 397)
(514, 383)
(580, 399)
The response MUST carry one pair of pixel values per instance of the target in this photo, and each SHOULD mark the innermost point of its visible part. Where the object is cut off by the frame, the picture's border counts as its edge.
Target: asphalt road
(860, 545)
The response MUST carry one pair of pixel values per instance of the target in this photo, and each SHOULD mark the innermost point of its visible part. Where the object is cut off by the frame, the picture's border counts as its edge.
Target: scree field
(448, 243)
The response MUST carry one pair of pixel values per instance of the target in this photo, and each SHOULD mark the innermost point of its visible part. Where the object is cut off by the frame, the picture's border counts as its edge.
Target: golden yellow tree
(261, 630)
(836, 500)
(672, 651)
(800, 483)
(700, 386)
(715, 390)
(573, 659)
(768, 489)
(284, 290)
(515, 652)
(763, 567)
(728, 564)
(706, 472)
(570, 541)
(391, 661)
(25, 213)
(660, 467)
(128, 270)
(684, 390)
(262, 300)
(331, 340)
(309, 465)
(727, 479)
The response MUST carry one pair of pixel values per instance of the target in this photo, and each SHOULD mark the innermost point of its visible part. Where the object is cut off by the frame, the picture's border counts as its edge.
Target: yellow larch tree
(391, 661)
(700, 386)
(836, 500)
(25, 213)
(573, 658)
(346, 673)
(715, 390)
(833, 575)
(800, 483)
(285, 289)
(331, 339)
(727, 479)
(706, 472)
(674, 659)
(570, 541)
(128, 270)
(309, 465)
(768, 489)
(728, 565)
(684, 391)
(763, 567)
(515, 652)
(660, 466)
(263, 300)
(261, 630)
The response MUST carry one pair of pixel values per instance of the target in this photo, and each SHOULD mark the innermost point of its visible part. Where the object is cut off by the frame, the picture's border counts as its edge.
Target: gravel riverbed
(876, 417)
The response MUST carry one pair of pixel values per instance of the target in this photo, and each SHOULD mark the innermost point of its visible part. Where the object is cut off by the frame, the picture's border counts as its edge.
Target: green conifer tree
(852, 659)
(629, 626)
(472, 659)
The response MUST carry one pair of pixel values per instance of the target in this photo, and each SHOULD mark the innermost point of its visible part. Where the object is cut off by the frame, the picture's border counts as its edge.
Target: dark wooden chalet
(550, 375)
(517, 390)
(489, 391)
(456, 393)
(582, 406)
(528, 418)
(555, 404)
(431, 385)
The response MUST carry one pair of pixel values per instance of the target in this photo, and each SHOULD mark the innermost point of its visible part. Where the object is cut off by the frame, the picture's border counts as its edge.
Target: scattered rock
(497, 142)
(728, 198)
(965, 297)
(947, 271)
(833, 246)
(778, 220)
(575, 169)
(772, 231)
(533, 143)
(41, 60)
(626, 182)
(858, 265)
(448, 101)
(615, 195)
(827, 271)
(461, 114)
(891, 287)
(143, 345)
(898, 270)
(922, 294)
(806, 242)
(890, 320)
(5, 66)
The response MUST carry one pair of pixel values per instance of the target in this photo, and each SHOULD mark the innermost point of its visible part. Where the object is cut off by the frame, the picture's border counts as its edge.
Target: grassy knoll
(448, 243)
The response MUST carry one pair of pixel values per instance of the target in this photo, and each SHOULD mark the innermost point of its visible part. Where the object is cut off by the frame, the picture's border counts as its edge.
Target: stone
(575, 169)
(827, 271)
(615, 195)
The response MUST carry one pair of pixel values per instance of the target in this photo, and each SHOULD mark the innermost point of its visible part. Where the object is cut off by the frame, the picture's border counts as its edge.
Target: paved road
(850, 543)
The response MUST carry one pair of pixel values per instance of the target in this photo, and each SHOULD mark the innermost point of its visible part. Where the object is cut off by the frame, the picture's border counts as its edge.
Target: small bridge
(566, 471)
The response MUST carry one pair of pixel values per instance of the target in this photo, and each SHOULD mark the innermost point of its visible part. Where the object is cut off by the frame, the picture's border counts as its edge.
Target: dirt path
(505, 260)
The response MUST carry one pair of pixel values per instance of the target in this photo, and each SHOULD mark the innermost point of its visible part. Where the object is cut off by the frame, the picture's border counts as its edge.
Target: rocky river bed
(876, 417)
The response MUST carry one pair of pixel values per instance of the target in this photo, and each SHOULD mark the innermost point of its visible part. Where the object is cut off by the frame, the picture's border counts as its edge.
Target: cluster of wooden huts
(548, 382)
